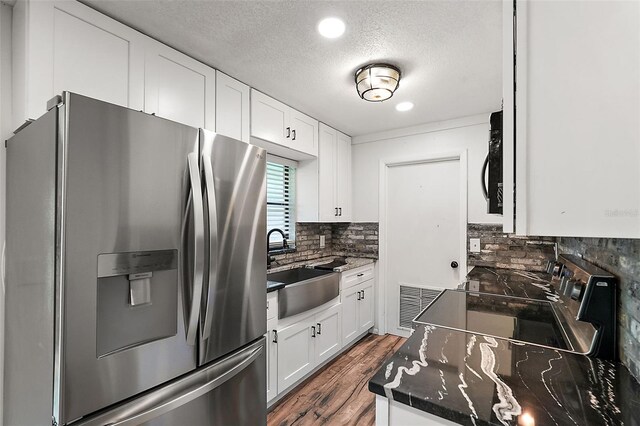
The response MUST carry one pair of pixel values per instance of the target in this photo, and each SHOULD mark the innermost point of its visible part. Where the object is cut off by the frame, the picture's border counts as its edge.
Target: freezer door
(131, 206)
(231, 391)
(234, 300)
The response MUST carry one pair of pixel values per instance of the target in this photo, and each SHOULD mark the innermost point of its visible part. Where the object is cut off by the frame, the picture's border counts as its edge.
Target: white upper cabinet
(577, 112)
(66, 46)
(179, 88)
(304, 133)
(281, 129)
(327, 206)
(334, 175)
(324, 184)
(343, 177)
(232, 107)
(269, 119)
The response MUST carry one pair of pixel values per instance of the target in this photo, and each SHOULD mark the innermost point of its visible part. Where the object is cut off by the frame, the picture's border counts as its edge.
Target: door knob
(454, 264)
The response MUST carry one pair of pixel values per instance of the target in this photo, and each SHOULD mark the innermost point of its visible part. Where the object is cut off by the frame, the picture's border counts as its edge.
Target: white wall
(471, 133)
(5, 133)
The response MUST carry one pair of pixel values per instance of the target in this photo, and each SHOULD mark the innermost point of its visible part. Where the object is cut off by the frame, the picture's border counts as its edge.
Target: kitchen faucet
(284, 243)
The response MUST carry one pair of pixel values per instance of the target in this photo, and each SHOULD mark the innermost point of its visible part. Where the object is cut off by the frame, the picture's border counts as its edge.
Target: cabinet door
(328, 333)
(304, 133)
(179, 88)
(63, 45)
(343, 177)
(272, 361)
(577, 152)
(295, 353)
(350, 305)
(269, 119)
(232, 107)
(365, 307)
(326, 174)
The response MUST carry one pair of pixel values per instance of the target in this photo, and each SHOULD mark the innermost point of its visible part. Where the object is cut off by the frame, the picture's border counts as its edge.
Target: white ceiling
(450, 52)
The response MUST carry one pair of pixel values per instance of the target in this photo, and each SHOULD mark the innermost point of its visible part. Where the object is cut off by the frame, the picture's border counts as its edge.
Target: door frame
(385, 165)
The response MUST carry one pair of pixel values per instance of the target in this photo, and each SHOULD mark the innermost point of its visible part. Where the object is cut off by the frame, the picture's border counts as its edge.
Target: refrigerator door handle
(198, 243)
(213, 242)
(171, 399)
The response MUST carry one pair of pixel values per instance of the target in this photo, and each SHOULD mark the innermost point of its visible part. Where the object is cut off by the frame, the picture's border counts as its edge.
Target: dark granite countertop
(479, 380)
(508, 282)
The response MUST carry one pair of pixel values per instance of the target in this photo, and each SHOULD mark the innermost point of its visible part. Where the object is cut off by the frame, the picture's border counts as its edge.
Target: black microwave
(492, 169)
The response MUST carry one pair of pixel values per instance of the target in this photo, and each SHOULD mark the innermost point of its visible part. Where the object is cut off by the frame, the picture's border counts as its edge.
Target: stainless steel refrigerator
(135, 272)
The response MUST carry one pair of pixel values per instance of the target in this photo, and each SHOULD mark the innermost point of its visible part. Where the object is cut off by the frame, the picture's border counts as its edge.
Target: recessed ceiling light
(404, 106)
(331, 27)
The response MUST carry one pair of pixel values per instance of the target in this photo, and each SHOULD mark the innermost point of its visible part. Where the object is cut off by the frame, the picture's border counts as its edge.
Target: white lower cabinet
(296, 346)
(307, 343)
(272, 361)
(357, 310)
(328, 339)
(295, 352)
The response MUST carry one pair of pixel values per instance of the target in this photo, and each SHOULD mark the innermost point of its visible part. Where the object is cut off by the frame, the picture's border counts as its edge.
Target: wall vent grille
(413, 300)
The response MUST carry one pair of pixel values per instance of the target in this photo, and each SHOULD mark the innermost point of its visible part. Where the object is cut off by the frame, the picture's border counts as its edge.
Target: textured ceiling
(450, 52)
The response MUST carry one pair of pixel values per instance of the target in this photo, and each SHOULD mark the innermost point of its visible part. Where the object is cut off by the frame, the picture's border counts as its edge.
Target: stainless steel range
(582, 319)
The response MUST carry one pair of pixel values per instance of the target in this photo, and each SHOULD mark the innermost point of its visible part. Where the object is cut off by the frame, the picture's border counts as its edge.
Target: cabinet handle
(313, 331)
(358, 294)
(275, 336)
(336, 212)
(267, 305)
(340, 208)
(362, 294)
(359, 275)
(288, 132)
(319, 328)
(294, 135)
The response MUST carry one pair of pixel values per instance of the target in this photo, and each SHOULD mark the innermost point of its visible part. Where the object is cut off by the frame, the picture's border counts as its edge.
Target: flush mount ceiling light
(331, 27)
(404, 106)
(377, 82)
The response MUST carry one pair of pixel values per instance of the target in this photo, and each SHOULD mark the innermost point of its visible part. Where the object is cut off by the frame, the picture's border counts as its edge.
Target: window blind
(281, 200)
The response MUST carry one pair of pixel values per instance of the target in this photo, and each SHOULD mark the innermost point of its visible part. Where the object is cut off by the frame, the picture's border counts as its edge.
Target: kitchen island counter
(480, 380)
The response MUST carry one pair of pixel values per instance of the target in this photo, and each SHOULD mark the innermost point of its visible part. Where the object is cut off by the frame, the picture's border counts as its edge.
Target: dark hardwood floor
(338, 393)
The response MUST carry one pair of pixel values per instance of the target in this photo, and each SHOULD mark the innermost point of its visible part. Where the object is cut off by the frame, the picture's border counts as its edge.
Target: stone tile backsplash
(341, 239)
(621, 257)
(508, 251)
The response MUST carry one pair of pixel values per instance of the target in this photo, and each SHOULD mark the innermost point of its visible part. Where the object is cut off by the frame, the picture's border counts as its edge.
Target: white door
(350, 300)
(304, 133)
(365, 309)
(327, 208)
(423, 229)
(269, 119)
(328, 333)
(232, 107)
(295, 352)
(179, 88)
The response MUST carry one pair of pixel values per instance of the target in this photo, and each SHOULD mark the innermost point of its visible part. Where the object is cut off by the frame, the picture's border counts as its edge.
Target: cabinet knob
(454, 264)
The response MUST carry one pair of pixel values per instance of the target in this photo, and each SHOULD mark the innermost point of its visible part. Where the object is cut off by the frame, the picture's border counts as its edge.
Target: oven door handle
(483, 176)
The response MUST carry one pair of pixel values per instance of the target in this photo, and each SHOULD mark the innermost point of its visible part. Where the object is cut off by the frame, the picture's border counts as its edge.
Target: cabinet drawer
(272, 305)
(357, 276)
